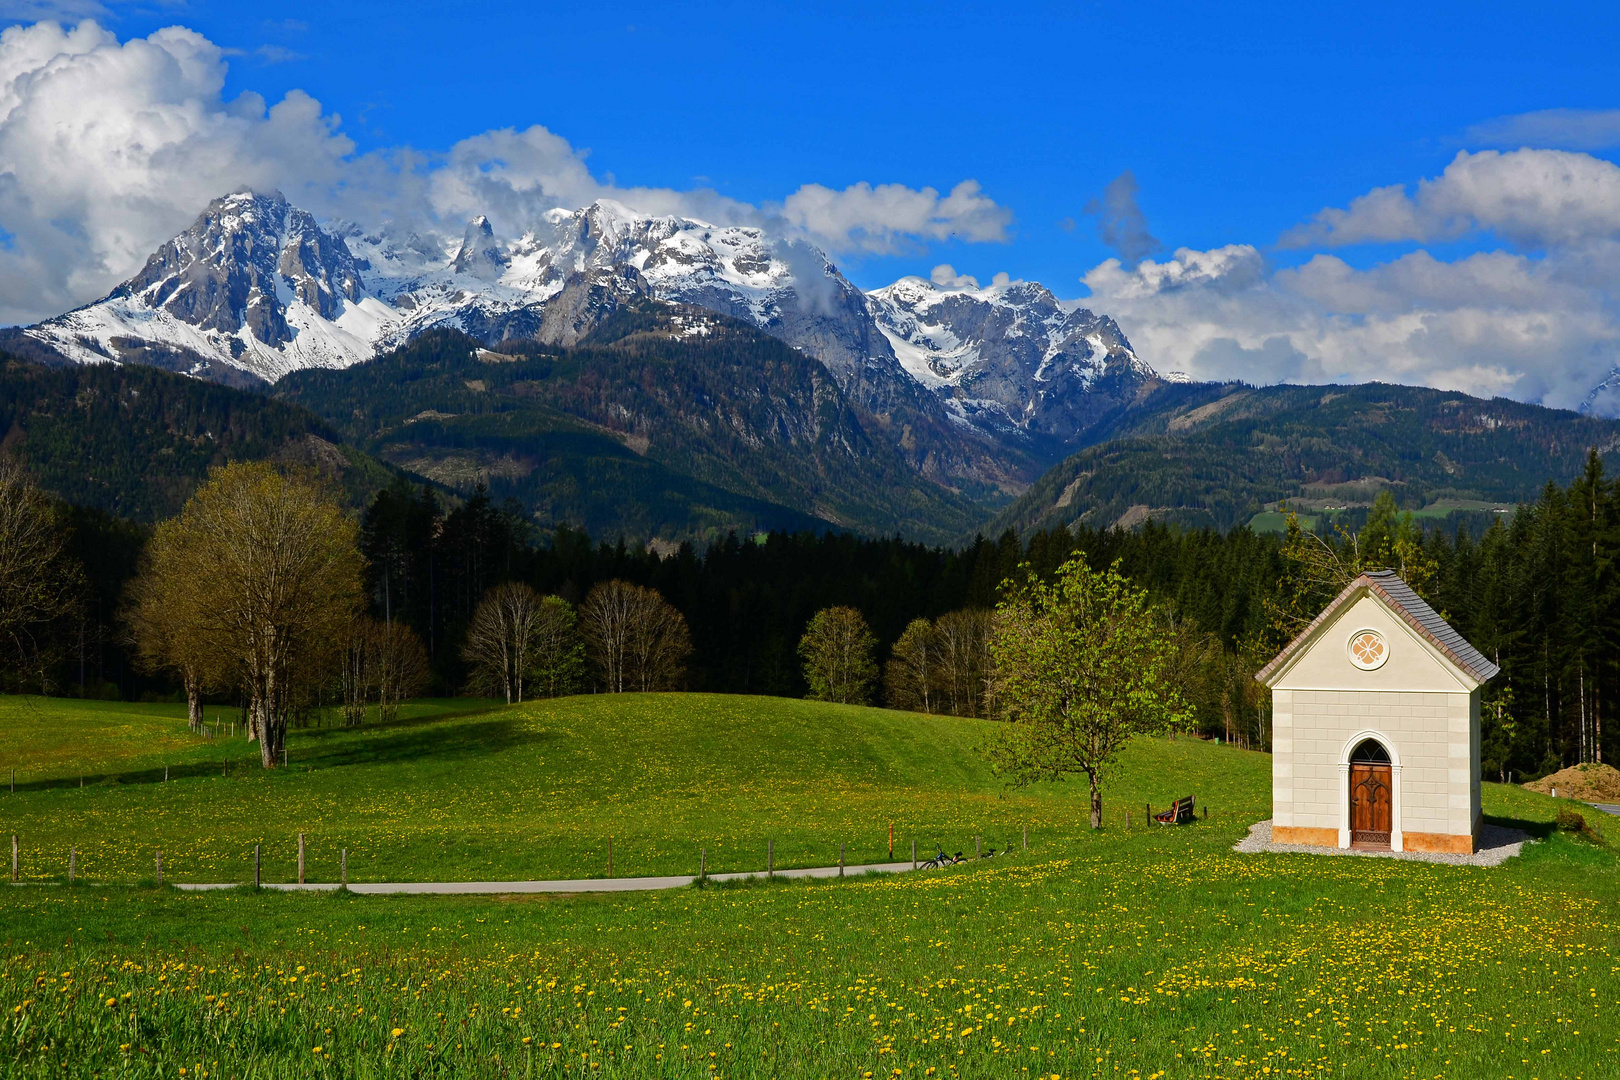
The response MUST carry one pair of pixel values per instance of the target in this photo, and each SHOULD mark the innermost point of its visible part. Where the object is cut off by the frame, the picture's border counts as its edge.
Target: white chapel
(1375, 725)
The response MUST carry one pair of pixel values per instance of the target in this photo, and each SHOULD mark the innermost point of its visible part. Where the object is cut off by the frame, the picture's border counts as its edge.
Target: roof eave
(1272, 673)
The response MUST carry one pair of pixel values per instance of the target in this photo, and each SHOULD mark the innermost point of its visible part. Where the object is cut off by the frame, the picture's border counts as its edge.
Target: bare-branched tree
(399, 666)
(635, 638)
(837, 652)
(912, 675)
(965, 664)
(164, 615)
(384, 662)
(38, 579)
(355, 674)
(501, 639)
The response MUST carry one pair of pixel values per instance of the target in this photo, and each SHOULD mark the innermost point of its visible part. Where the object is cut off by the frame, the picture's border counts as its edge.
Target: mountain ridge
(257, 288)
(1216, 455)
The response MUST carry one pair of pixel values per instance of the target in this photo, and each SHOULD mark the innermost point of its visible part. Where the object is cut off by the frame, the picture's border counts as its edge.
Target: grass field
(1124, 953)
(536, 791)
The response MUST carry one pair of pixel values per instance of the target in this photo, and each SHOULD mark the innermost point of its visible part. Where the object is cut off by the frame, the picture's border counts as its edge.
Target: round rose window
(1368, 649)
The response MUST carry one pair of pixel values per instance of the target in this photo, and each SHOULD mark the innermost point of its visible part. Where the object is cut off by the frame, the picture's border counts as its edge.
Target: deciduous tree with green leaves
(837, 652)
(1082, 665)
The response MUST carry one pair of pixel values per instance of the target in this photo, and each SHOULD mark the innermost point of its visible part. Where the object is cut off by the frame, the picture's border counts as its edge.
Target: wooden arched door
(1371, 795)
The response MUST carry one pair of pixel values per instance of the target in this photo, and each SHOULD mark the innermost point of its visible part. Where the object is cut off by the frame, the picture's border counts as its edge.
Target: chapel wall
(1416, 725)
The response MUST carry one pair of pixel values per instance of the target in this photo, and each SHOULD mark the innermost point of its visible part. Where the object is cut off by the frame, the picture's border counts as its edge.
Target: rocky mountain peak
(978, 383)
(480, 255)
(1010, 353)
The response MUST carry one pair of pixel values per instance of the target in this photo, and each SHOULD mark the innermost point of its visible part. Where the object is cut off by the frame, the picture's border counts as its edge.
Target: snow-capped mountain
(1010, 352)
(255, 285)
(257, 288)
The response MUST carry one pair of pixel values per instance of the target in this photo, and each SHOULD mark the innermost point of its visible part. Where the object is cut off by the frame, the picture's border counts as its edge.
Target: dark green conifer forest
(1536, 592)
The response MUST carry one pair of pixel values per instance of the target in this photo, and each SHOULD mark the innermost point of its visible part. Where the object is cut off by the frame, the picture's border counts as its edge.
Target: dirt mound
(1588, 783)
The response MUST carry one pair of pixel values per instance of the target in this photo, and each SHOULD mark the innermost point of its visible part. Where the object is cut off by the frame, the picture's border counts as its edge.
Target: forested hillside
(667, 423)
(1216, 456)
(134, 441)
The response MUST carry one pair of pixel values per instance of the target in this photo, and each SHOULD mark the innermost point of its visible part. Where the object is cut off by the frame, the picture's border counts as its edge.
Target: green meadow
(537, 790)
(1139, 952)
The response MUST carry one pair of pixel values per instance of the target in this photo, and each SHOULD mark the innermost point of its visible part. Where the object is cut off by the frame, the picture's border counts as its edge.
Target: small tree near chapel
(1082, 665)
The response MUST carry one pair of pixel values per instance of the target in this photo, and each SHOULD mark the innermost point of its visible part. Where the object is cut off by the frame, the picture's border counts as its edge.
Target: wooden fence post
(343, 867)
(300, 858)
(73, 860)
(840, 858)
(165, 772)
(770, 858)
(914, 853)
(891, 841)
(703, 864)
(160, 868)
(976, 854)
(14, 858)
(256, 879)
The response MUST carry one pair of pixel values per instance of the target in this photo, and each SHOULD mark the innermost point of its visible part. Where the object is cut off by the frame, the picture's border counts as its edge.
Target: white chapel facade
(1375, 725)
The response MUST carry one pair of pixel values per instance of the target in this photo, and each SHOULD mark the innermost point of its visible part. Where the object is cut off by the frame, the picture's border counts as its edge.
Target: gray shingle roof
(1413, 609)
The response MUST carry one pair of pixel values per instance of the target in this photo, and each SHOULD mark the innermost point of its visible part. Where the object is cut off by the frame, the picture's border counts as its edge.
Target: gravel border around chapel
(1496, 846)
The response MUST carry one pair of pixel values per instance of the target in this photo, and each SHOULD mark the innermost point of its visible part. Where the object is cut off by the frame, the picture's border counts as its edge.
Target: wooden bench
(1181, 813)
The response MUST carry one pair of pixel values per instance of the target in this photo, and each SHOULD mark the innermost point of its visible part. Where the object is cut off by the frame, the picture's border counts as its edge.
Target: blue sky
(1238, 123)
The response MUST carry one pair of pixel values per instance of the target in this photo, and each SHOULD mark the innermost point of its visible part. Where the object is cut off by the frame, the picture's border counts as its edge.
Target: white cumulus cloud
(109, 147)
(1537, 320)
(1494, 323)
(1565, 129)
(892, 217)
(1531, 198)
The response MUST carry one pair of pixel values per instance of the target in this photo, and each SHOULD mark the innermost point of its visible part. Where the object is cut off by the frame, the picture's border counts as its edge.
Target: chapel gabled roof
(1412, 609)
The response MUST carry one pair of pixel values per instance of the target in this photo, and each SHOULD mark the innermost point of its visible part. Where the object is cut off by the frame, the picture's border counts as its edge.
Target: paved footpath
(1607, 808)
(574, 885)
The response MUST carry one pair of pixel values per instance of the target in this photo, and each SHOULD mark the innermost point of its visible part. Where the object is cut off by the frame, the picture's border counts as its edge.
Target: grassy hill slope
(1147, 952)
(1209, 455)
(534, 791)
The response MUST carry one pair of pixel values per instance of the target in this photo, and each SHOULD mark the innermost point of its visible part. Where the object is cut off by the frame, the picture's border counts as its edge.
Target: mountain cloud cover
(109, 148)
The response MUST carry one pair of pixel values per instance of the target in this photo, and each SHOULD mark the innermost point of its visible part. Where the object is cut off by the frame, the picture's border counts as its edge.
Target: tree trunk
(1096, 800)
(194, 708)
(269, 728)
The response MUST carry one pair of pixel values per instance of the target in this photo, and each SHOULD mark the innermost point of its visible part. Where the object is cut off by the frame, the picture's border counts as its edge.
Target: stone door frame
(1395, 841)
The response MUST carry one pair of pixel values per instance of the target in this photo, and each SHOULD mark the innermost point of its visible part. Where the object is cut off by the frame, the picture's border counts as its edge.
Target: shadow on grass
(316, 749)
(764, 881)
(1540, 830)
